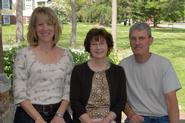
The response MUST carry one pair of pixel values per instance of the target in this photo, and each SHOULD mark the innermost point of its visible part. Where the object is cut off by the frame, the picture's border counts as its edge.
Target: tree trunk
(5, 85)
(114, 22)
(19, 21)
(1, 46)
(155, 22)
(73, 21)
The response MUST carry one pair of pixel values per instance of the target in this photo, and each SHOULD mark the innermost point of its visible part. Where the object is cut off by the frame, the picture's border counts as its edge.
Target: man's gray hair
(140, 26)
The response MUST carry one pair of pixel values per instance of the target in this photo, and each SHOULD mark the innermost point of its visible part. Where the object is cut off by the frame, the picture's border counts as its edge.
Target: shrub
(113, 57)
(9, 56)
(79, 56)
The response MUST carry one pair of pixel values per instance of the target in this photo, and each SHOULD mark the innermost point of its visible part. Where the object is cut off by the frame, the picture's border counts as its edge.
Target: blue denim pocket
(151, 119)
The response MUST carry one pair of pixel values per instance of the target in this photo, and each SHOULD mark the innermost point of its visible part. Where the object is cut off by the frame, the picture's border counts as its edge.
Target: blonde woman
(42, 73)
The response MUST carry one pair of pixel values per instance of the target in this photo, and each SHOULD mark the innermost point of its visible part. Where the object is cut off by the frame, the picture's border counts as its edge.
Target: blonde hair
(51, 18)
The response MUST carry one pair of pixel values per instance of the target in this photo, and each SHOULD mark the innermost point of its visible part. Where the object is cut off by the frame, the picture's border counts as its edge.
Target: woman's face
(98, 48)
(44, 30)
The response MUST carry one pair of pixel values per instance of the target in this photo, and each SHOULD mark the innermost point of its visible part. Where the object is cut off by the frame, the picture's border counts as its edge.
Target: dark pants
(47, 113)
(152, 119)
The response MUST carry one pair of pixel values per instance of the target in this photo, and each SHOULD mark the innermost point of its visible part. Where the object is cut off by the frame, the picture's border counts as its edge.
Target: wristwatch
(59, 114)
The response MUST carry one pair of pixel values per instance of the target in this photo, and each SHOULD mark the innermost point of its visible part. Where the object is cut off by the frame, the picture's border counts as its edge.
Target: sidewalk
(172, 25)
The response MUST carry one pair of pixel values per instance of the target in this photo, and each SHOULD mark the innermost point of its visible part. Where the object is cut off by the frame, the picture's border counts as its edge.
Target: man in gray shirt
(151, 81)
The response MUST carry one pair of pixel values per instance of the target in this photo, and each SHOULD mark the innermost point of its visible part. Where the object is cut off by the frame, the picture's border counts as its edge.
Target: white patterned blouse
(41, 83)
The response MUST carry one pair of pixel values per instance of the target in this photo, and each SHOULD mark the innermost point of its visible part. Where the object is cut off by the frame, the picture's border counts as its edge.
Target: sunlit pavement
(172, 25)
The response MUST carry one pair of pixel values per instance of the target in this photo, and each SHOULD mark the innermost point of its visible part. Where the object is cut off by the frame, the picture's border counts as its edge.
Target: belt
(46, 108)
(154, 117)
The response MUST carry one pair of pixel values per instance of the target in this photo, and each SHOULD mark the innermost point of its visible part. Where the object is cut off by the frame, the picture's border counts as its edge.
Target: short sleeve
(170, 80)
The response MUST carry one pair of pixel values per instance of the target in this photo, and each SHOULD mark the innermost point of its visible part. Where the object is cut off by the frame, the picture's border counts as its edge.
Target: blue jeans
(22, 117)
(152, 119)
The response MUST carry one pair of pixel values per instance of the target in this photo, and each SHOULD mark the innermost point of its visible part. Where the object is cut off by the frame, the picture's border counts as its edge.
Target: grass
(168, 42)
(171, 44)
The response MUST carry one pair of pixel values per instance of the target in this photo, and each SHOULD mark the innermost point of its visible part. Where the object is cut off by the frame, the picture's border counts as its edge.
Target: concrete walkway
(172, 25)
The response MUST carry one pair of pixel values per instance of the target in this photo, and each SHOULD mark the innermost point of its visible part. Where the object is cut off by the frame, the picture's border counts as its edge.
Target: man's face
(140, 42)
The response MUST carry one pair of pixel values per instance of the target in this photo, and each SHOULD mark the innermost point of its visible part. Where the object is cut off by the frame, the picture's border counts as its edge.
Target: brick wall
(5, 112)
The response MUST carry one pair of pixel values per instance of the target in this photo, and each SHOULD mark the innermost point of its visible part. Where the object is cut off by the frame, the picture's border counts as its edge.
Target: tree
(1, 46)
(114, 21)
(125, 11)
(66, 13)
(94, 11)
(73, 20)
(101, 12)
(174, 10)
(62, 10)
(157, 10)
(19, 21)
(143, 10)
(153, 10)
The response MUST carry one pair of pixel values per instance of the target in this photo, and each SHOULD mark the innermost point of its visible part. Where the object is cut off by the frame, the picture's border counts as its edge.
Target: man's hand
(136, 119)
(131, 115)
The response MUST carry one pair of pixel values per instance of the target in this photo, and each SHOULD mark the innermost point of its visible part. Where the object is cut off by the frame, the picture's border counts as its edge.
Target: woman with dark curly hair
(98, 87)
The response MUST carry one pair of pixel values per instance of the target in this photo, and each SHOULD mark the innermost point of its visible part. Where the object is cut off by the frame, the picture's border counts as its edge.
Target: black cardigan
(81, 82)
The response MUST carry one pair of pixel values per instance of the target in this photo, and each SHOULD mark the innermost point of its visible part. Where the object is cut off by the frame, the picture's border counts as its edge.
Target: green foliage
(79, 56)
(9, 57)
(113, 57)
(174, 10)
(124, 10)
(98, 11)
(62, 10)
(144, 10)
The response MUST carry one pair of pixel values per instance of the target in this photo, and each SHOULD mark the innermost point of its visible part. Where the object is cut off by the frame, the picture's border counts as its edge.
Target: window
(27, 19)
(5, 4)
(6, 19)
(41, 3)
(28, 4)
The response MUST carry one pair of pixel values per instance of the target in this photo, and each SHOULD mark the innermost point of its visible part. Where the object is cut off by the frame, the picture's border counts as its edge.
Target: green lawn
(167, 42)
(171, 44)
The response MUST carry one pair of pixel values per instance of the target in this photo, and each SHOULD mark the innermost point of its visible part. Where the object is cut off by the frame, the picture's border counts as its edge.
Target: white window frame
(28, 5)
(41, 3)
(5, 4)
(6, 19)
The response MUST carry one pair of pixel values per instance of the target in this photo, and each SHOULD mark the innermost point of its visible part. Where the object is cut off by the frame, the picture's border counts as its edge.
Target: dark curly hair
(95, 33)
